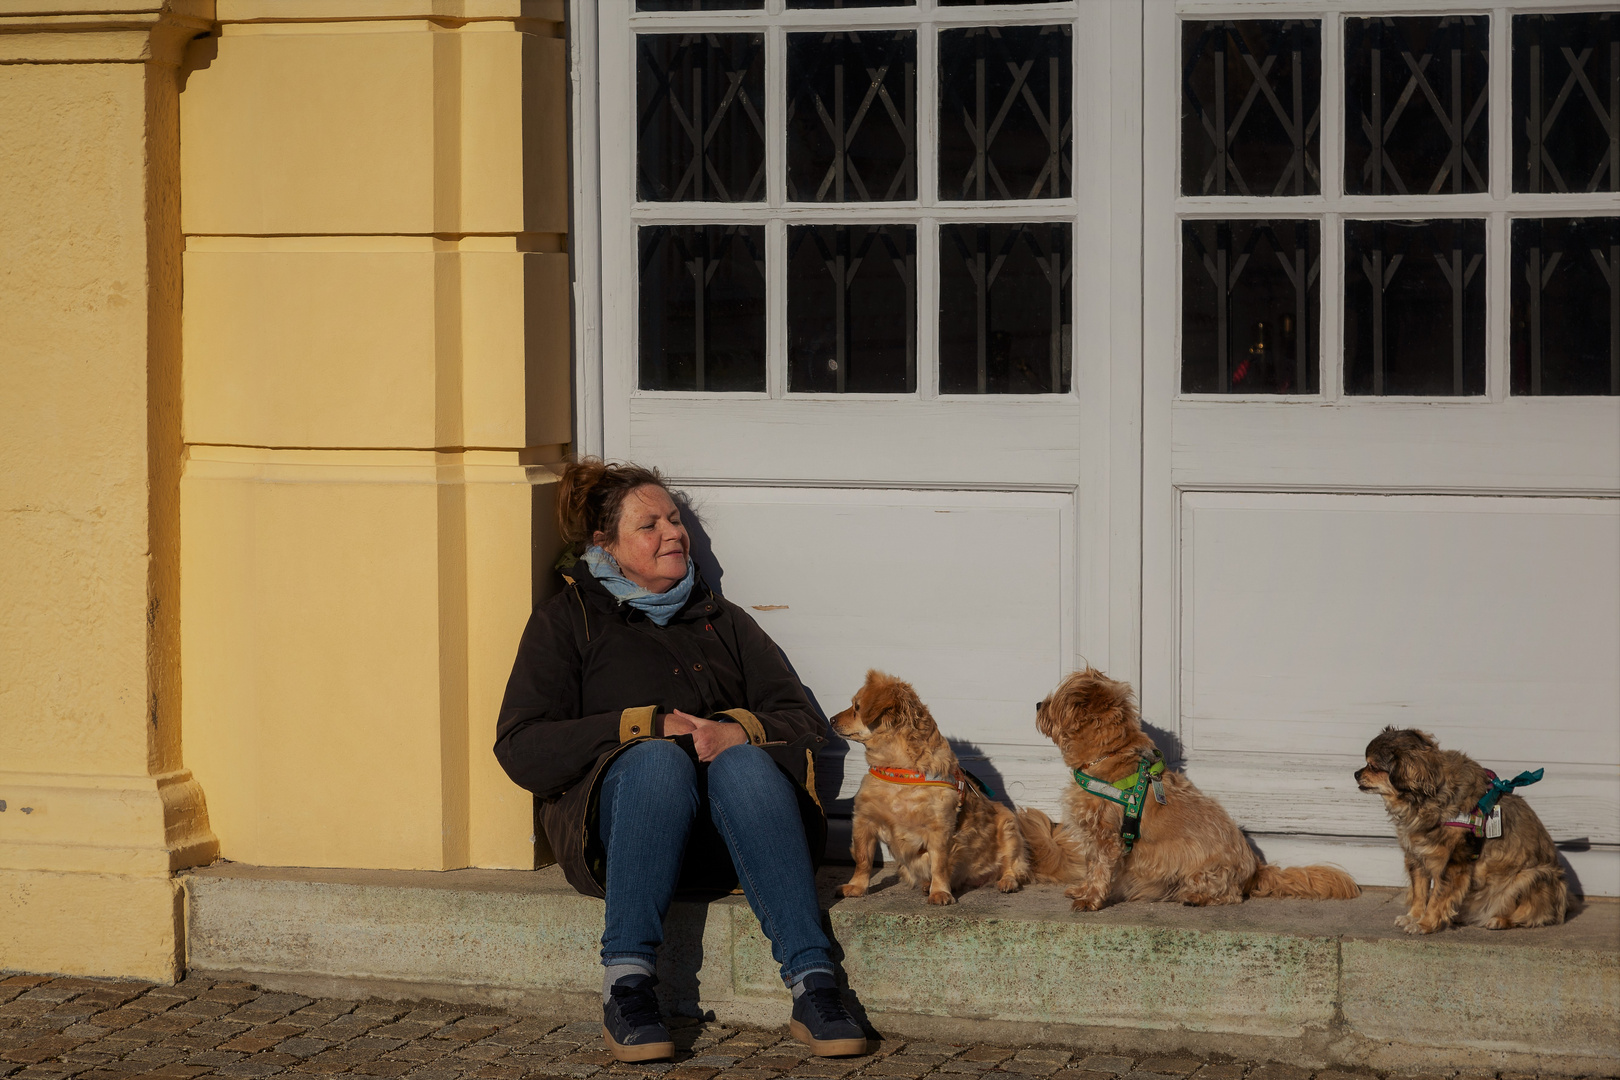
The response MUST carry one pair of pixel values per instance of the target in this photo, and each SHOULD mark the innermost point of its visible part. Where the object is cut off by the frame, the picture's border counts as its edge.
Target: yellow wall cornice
(337, 10)
(127, 33)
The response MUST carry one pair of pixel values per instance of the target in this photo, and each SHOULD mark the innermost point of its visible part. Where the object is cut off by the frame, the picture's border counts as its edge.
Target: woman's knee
(745, 770)
(655, 764)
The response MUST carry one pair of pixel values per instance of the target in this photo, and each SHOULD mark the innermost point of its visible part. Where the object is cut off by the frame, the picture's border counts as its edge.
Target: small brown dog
(1462, 871)
(945, 833)
(1189, 849)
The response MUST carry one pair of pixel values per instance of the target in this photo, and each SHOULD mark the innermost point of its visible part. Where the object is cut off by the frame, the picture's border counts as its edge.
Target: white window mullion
(776, 308)
(927, 137)
(1498, 306)
(1498, 227)
(1330, 142)
(1501, 104)
(776, 362)
(927, 143)
(928, 308)
(775, 116)
(1330, 284)
(1330, 308)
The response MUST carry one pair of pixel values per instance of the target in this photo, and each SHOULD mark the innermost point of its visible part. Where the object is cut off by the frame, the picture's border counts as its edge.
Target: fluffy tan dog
(1190, 850)
(1456, 876)
(945, 833)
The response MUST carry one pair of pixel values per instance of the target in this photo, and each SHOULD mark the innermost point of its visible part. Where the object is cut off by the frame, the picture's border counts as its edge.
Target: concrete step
(1323, 983)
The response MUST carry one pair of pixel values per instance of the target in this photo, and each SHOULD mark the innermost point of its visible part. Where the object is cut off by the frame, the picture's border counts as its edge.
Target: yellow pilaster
(377, 368)
(96, 807)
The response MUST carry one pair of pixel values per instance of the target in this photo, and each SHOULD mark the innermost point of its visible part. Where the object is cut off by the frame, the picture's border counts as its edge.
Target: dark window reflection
(1005, 123)
(850, 3)
(1414, 307)
(1566, 93)
(700, 124)
(1250, 302)
(1566, 306)
(1415, 105)
(1251, 107)
(700, 5)
(702, 307)
(1004, 309)
(852, 309)
(851, 116)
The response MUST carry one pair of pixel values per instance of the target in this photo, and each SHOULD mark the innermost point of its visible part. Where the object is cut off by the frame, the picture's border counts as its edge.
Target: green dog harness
(1129, 792)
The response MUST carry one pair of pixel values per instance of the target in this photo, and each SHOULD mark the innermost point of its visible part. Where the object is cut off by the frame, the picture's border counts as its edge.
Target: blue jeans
(650, 801)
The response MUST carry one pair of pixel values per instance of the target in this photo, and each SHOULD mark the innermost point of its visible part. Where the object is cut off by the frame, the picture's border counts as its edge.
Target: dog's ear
(1102, 700)
(1414, 760)
(905, 708)
(884, 701)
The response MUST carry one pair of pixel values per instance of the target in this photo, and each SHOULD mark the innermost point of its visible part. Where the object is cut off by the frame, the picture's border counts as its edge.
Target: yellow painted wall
(97, 807)
(284, 352)
(377, 365)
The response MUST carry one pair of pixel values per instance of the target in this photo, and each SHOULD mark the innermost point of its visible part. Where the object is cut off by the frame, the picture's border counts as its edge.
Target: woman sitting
(664, 733)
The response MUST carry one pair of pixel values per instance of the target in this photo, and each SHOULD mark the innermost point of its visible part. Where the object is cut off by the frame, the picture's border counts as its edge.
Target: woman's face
(652, 543)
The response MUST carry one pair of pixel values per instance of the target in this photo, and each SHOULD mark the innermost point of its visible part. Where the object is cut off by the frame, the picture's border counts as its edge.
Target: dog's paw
(1084, 899)
(1403, 921)
(1009, 884)
(1422, 926)
(941, 898)
(852, 889)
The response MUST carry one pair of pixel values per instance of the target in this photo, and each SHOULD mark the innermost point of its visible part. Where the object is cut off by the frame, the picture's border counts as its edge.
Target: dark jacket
(590, 678)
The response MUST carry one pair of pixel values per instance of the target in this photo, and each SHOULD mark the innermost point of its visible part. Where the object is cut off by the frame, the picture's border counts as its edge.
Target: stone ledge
(1330, 983)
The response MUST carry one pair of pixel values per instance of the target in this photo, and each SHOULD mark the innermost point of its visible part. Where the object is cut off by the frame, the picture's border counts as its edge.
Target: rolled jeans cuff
(647, 960)
(792, 977)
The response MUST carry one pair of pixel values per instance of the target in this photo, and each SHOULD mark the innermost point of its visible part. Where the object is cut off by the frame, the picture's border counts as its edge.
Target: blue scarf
(659, 607)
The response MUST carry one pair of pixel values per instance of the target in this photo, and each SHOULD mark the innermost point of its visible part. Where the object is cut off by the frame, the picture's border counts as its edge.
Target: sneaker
(821, 1022)
(630, 1023)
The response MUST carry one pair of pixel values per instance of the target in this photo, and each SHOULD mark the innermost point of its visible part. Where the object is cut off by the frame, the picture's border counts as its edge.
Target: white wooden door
(866, 287)
(1382, 442)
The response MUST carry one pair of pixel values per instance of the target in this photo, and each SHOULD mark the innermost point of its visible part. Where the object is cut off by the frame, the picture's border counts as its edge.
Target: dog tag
(1158, 790)
(1493, 824)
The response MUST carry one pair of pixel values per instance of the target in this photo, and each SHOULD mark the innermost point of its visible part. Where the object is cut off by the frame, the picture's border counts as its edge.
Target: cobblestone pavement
(93, 1029)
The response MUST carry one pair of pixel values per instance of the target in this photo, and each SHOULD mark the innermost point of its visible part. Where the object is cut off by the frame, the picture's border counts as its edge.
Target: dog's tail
(1302, 883)
(1053, 854)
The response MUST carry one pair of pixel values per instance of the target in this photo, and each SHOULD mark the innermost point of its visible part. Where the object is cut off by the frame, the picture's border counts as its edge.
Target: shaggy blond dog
(1190, 850)
(944, 832)
(1457, 877)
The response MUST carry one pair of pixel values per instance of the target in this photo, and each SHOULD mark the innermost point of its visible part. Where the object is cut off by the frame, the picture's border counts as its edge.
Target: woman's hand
(709, 737)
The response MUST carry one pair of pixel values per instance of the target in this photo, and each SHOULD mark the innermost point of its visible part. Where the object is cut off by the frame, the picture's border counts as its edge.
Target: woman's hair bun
(592, 493)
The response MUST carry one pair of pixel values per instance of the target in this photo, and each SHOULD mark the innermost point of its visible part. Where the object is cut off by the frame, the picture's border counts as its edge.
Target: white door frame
(1107, 369)
(1495, 445)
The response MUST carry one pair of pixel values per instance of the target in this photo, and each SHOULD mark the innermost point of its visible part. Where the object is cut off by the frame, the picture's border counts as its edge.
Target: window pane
(852, 309)
(702, 307)
(700, 100)
(1004, 126)
(984, 3)
(1251, 107)
(1566, 87)
(1004, 309)
(699, 5)
(1249, 296)
(1414, 101)
(1566, 306)
(1414, 307)
(852, 116)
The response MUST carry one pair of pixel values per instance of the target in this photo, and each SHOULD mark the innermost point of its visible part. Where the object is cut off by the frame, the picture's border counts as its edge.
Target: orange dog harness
(960, 780)
(896, 775)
